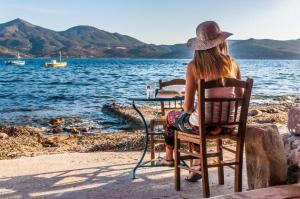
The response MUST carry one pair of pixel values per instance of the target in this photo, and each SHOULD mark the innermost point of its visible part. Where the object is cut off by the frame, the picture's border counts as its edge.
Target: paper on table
(171, 91)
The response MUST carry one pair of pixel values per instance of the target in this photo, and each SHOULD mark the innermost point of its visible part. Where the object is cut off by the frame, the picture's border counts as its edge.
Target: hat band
(207, 38)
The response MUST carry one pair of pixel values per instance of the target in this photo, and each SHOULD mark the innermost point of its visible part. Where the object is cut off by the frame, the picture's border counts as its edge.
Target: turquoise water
(32, 94)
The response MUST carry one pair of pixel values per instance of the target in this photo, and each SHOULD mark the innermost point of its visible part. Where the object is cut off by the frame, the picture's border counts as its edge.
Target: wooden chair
(238, 106)
(165, 107)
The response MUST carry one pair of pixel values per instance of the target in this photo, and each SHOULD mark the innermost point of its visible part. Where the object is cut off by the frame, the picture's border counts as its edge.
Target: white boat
(54, 63)
(16, 62)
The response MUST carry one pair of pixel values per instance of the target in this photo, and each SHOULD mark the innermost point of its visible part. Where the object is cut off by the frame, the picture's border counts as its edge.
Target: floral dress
(179, 120)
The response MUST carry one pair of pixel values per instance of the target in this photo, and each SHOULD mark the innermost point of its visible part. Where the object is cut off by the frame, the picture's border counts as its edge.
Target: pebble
(254, 113)
(57, 130)
(75, 131)
(3, 136)
(272, 110)
(56, 121)
(49, 143)
(268, 120)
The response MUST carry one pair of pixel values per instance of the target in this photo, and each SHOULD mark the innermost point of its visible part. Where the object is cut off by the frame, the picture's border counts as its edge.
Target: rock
(291, 142)
(265, 156)
(75, 131)
(287, 98)
(49, 143)
(57, 130)
(292, 150)
(84, 129)
(56, 121)
(272, 110)
(293, 174)
(267, 120)
(294, 120)
(295, 157)
(3, 136)
(254, 113)
(297, 100)
(13, 154)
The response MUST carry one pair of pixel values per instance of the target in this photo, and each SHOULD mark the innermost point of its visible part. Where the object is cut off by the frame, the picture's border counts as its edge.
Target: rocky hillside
(86, 41)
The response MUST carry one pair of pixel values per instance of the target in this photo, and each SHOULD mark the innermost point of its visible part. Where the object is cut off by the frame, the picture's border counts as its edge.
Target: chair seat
(196, 138)
(159, 121)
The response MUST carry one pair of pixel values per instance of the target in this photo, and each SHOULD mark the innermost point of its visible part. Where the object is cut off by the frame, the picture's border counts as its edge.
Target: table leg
(146, 141)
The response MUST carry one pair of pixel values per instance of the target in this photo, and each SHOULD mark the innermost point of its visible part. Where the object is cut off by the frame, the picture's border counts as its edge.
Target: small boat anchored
(16, 62)
(54, 63)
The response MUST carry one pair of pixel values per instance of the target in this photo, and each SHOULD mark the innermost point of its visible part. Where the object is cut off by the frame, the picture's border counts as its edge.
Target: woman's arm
(239, 91)
(190, 90)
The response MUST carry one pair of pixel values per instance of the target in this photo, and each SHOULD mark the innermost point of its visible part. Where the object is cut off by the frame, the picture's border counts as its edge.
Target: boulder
(291, 142)
(266, 161)
(292, 149)
(294, 120)
(295, 157)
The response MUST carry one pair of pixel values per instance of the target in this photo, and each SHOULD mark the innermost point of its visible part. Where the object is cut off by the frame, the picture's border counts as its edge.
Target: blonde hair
(214, 63)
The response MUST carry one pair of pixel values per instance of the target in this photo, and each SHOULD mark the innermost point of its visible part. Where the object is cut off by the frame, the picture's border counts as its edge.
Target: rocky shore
(17, 141)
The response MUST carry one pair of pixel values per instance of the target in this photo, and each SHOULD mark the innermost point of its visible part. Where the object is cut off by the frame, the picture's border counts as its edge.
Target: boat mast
(59, 56)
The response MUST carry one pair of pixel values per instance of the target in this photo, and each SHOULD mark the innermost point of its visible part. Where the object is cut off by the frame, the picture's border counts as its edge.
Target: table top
(156, 99)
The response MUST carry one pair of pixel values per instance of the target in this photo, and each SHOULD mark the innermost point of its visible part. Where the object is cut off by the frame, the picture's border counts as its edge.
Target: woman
(211, 61)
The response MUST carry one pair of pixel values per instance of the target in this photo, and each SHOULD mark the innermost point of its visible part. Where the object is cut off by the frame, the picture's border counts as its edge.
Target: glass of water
(150, 90)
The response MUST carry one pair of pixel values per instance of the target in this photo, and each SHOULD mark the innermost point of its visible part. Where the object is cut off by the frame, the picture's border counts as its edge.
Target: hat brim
(198, 44)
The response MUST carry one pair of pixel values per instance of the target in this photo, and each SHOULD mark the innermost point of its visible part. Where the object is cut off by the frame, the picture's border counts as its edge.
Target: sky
(162, 21)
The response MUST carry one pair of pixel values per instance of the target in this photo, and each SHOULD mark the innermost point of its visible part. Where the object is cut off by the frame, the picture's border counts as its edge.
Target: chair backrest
(235, 109)
(171, 83)
(165, 106)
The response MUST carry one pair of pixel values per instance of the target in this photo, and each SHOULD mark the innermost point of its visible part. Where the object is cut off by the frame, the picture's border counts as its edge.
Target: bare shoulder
(190, 66)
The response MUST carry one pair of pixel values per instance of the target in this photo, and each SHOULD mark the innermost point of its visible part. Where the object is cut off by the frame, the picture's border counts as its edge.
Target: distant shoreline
(89, 42)
(145, 58)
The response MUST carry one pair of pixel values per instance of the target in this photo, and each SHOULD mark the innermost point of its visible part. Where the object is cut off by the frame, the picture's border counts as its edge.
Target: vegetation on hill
(86, 41)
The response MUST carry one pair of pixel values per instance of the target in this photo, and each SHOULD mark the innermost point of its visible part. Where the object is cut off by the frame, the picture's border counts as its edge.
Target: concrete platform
(97, 175)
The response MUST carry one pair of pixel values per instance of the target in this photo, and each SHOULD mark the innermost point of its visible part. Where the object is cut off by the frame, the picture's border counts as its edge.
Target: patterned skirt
(179, 120)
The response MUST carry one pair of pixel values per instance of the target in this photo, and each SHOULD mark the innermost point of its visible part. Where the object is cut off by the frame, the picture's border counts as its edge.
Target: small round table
(140, 163)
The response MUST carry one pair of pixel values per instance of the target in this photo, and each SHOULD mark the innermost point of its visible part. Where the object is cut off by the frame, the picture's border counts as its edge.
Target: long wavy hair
(213, 63)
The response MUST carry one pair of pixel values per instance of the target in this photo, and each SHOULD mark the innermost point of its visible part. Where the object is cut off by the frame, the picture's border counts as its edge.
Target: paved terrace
(96, 175)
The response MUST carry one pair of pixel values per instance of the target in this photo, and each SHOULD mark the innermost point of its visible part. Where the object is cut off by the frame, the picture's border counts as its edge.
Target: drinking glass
(150, 89)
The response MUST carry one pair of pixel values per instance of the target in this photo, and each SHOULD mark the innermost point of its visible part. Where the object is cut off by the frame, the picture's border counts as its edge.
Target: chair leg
(220, 158)
(152, 149)
(238, 168)
(191, 150)
(177, 162)
(204, 171)
(152, 142)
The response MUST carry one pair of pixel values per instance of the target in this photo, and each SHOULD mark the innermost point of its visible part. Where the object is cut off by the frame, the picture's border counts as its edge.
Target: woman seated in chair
(211, 61)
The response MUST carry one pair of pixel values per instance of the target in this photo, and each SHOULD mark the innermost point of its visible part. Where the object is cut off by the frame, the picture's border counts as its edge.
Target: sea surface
(32, 94)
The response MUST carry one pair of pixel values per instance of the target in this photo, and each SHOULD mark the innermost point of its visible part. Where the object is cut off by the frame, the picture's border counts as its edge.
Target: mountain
(265, 49)
(85, 41)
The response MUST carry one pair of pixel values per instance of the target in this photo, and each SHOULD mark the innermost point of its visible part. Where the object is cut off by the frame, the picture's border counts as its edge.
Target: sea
(33, 94)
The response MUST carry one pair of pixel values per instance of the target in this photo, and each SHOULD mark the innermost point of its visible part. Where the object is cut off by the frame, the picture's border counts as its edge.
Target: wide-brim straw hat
(209, 35)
